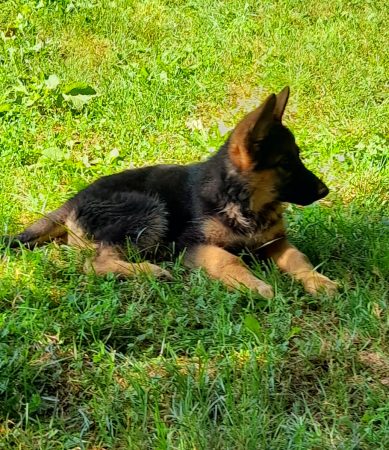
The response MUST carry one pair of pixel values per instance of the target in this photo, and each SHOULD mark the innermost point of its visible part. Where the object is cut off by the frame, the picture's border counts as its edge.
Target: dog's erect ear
(253, 127)
(282, 100)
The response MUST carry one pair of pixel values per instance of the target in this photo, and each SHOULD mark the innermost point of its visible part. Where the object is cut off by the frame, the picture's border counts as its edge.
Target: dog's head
(263, 149)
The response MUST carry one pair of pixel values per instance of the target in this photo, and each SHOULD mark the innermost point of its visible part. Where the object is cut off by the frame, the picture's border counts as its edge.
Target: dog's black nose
(322, 190)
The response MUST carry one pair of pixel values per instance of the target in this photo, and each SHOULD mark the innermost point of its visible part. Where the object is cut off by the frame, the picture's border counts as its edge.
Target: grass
(98, 363)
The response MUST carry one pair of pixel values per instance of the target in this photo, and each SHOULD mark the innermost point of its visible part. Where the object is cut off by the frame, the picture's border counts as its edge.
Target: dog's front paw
(159, 272)
(263, 289)
(253, 283)
(316, 283)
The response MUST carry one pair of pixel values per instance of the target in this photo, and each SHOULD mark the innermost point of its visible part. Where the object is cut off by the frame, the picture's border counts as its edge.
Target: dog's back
(146, 206)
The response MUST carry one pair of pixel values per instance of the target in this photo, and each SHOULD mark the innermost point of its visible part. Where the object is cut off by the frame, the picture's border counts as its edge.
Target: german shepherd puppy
(212, 209)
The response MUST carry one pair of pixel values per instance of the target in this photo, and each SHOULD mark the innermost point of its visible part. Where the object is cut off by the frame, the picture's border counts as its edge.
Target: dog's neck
(245, 202)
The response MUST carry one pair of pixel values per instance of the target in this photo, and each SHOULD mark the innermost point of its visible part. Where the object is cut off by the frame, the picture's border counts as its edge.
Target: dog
(210, 210)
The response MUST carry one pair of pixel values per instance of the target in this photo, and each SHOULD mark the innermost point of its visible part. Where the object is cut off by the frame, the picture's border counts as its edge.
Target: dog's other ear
(253, 127)
(264, 119)
(282, 100)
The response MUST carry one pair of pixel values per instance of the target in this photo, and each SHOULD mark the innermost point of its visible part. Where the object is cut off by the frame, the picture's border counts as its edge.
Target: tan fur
(75, 233)
(234, 212)
(238, 150)
(109, 259)
(226, 267)
(56, 231)
(217, 233)
(239, 156)
(294, 262)
(49, 227)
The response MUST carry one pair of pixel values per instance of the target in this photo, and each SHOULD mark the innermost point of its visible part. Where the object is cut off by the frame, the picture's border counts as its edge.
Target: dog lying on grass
(212, 209)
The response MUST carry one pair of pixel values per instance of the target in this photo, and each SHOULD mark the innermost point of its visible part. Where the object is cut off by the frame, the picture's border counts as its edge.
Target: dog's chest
(232, 228)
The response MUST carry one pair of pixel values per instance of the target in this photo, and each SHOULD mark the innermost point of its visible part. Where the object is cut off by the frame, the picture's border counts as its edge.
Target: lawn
(93, 87)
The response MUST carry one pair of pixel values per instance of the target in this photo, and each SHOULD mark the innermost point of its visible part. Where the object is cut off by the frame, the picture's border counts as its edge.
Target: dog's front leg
(289, 259)
(226, 267)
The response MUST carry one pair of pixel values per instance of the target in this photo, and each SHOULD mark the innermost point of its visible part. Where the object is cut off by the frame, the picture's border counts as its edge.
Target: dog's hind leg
(109, 259)
(49, 227)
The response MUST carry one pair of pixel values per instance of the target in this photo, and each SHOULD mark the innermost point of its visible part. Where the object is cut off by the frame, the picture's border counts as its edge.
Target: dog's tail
(49, 227)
